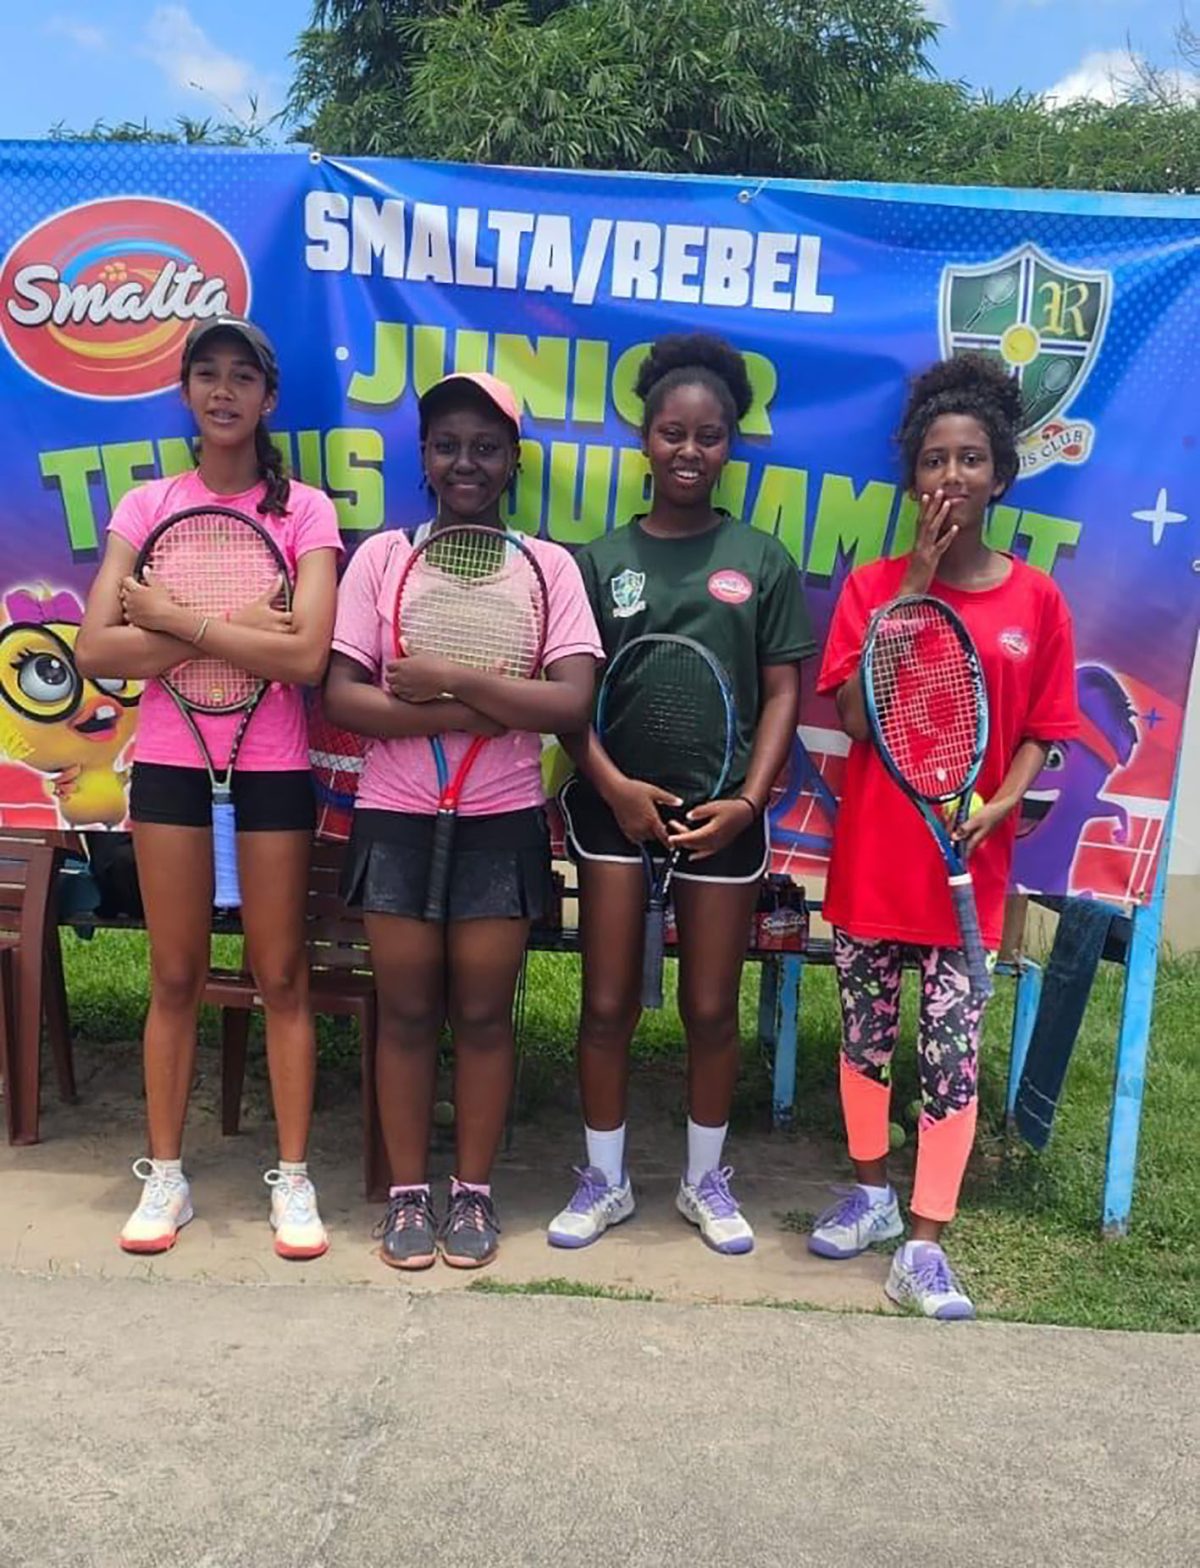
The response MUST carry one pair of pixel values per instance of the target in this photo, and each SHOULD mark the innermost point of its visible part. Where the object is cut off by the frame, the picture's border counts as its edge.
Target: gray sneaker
(470, 1232)
(408, 1231)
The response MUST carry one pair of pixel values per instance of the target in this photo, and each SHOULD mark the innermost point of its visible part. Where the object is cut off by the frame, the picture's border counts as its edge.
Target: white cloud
(82, 34)
(1112, 76)
(188, 58)
(1105, 75)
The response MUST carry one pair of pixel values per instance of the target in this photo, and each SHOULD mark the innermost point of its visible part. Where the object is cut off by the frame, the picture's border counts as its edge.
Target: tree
(183, 130)
(353, 66)
(936, 133)
(737, 86)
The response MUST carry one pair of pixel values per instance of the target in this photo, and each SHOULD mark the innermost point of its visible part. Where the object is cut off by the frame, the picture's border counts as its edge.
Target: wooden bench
(341, 984)
(31, 980)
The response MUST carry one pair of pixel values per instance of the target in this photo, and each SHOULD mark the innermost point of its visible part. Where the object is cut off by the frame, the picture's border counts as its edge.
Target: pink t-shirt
(399, 775)
(277, 738)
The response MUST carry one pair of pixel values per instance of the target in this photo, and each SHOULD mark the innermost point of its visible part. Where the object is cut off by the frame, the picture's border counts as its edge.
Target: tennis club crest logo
(98, 299)
(1045, 322)
(626, 590)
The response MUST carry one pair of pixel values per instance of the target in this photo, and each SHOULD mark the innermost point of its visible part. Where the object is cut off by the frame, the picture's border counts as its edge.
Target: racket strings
(477, 602)
(927, 700)
(211, 564)
(668, 721)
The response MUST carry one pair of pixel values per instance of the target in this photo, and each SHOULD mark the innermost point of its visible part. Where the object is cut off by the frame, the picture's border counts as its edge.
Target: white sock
(606, 1151)
(704, 1146)
(877, 1194)
(293, 1167)
(171, 1169)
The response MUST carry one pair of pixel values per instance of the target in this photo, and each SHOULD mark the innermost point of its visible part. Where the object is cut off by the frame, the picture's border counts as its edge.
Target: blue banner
(376, 277)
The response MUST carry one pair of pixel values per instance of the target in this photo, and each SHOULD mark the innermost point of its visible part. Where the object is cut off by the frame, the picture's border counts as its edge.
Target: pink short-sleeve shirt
(399, 774)
(277, 739)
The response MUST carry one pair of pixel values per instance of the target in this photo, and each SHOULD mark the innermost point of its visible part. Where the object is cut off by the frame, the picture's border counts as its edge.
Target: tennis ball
(950, 809)
(897, 1137)
(913, 1111)
(443, 1113)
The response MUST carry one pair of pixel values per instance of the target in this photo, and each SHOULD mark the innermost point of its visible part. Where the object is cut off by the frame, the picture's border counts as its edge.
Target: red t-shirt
(887, 878)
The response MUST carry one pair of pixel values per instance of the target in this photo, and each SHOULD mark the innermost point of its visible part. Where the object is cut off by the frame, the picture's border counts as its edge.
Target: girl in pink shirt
(465, 972)
(230, 383)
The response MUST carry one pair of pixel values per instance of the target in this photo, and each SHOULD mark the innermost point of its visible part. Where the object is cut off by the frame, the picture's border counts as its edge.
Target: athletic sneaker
(921, 1277)
(470, 1232)
(299, 1233)
(408, 1231)
(166, 1207)
(854, 1223)
(710, 1205)
(594, 1206)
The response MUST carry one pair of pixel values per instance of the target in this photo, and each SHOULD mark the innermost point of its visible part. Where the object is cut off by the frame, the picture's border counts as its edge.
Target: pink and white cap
(496, 391)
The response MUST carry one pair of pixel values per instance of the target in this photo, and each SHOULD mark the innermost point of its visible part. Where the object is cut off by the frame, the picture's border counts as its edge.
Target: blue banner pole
(1133, 1044)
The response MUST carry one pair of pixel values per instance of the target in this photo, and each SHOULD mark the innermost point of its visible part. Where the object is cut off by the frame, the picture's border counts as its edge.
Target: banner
(376, 277)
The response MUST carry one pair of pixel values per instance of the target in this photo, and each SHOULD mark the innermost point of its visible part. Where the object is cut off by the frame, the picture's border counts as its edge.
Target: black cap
(254, 337)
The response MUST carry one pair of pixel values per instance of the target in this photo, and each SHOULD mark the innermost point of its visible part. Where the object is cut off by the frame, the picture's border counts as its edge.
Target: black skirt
(500, 870)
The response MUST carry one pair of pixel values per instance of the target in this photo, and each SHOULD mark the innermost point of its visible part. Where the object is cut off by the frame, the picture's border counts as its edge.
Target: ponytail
(270, 471)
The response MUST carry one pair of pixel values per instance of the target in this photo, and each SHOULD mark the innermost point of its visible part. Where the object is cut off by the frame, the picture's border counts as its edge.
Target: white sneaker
(594, 1206)
(710, 1205)
(854, 1223)
(921, 1277)
(294, 1217)
(166, 1207)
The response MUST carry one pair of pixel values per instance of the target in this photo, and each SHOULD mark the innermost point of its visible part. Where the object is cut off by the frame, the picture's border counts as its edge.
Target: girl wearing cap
(464, 973)
(685, 567)
(230, 384)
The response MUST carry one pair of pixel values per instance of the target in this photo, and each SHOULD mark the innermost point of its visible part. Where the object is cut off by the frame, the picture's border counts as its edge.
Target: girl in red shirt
(887, 892)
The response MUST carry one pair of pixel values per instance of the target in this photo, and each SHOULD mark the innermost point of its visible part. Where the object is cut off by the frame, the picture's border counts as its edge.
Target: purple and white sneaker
(710, 1205)
(594, 1206)
(854, 1223)
(922, 1278)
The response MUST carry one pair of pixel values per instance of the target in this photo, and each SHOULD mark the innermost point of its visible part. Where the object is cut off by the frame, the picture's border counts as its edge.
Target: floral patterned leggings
(948, 1039)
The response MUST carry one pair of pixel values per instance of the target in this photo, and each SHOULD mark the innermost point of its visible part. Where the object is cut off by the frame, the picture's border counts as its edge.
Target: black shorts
(593, 834)
(262, 802)
(500, 869)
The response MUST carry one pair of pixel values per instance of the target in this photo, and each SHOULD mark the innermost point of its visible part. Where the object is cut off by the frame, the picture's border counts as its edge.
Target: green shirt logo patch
(627, 589)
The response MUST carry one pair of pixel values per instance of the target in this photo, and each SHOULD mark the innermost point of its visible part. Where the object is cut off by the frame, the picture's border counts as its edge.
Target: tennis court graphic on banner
(376, 277)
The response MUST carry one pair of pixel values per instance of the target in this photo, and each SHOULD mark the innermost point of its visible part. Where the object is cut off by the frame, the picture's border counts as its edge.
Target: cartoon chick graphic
(57, 722)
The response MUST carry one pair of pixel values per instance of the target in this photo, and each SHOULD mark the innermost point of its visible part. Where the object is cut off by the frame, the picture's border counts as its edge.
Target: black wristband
(755, 811)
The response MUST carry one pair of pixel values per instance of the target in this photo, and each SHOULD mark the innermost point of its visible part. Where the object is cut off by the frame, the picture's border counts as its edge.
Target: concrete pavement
(149, 1424)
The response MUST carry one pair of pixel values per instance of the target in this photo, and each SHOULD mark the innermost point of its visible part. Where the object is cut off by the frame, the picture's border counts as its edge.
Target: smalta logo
(1045, 322)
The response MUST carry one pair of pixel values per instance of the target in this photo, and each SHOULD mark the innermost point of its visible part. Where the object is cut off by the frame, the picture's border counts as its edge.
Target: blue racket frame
(962, 889)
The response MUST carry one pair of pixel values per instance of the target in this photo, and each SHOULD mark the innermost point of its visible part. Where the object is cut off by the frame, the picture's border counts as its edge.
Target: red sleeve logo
(97, 300)
(730, 587)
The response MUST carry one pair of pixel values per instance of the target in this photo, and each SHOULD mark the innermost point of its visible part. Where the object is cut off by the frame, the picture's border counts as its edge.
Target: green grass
(558, 1287)
(1027, 1239)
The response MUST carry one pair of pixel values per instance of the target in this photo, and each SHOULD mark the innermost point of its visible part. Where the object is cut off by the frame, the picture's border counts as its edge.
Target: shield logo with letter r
(1043, 320)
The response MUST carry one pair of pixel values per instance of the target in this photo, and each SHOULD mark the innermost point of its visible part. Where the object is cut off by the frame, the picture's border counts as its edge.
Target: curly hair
(967, 384)
(694, 359)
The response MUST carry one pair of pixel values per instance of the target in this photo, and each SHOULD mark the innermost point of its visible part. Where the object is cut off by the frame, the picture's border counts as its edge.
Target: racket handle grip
(653, 947)
(227, 893)
(437, 889)
(963, 892)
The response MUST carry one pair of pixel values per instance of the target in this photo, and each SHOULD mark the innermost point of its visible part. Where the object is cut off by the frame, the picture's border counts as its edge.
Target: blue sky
(128, 59)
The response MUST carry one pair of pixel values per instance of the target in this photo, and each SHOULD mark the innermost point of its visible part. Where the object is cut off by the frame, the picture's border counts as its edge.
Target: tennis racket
(666, 714)
(927, 707)
(214, 560)
(476, 596)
